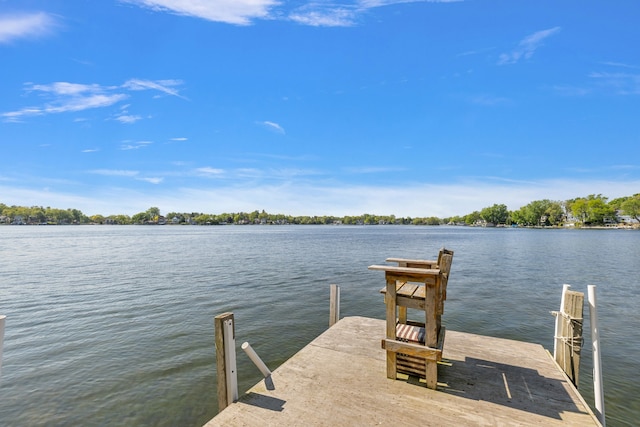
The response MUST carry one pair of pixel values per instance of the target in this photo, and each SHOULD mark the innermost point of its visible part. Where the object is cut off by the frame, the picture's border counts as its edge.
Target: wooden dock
(339, 379)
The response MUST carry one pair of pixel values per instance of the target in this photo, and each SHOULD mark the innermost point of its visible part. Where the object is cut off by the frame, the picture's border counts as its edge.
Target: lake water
(113, 325)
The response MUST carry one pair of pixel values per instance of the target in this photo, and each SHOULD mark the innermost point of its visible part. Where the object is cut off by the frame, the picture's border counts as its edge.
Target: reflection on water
(114, 325)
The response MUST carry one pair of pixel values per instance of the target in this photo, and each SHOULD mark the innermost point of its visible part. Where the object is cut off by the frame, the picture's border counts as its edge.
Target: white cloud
(378, 3)
(64, 97)
(114, 172)
(239, 12)
(209, 171)
(325, 15)
(340, 13)
(419, 200)
(372, 169)
(273, 126)
(128, 118)
(527, 46)
(134, 145)
(151, 180)
(13, 27)
(618, 83)
(343, 13)
(165, 86)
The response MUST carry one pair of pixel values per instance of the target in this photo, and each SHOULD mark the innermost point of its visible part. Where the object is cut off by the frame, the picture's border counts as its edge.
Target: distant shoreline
(549, 227)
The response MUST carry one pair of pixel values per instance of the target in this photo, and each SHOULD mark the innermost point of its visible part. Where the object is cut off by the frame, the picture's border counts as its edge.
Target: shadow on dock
(516, 387)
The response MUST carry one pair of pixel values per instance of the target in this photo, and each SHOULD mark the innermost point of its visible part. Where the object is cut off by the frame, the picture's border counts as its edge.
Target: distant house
(627, 219)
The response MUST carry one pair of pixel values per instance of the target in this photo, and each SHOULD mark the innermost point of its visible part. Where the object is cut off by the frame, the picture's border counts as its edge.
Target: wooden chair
(414, 347)
(410, 294)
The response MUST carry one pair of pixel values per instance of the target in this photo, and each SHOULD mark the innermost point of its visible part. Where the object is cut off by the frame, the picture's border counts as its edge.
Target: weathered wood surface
(224, 394)
(570, 339)
(339, 380)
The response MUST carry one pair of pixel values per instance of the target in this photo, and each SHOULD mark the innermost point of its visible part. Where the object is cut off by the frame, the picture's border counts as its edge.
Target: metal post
(334, 305)
(226, 360)
(598, 389)
(256, 359)
(557, 342)
(230, 365)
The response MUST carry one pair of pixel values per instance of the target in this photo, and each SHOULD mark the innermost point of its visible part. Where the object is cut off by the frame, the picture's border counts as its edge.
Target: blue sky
(411, 108)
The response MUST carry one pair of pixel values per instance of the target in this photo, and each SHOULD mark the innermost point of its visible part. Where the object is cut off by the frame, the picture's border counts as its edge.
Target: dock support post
(334, 305)
(2, 317)
(226, 360)
(598, 390)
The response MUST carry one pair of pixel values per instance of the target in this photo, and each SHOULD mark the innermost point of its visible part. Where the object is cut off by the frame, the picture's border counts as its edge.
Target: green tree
(153, 213)
(472, 218)
(140, 218)
(580, 209)
(631, 207)
(97, 219)
(496, 214)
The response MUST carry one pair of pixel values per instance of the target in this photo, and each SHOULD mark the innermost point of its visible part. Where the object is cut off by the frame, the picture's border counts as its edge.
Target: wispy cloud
(114, 172)
(13, 27)
(165, 86)
(124, 117)
(620, 64)
(151, 180)
(128, 118)
(618, 83)
(343, 13)
(325, 15)
(134, 145)
(490, 100)
(209, 171)
(239, 12)
(339, 13)
(373, 169)
(64, 97)
(275, 127)
(567, 90)
(527, 46)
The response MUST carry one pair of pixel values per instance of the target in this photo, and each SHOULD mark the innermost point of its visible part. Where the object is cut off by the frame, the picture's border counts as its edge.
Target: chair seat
(410, 333)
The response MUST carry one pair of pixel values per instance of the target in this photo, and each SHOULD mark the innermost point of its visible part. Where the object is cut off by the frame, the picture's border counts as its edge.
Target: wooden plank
(406, 289)
(568, 356)
(412, 261)
(412, 349)
(221, 367)
(343, 371)
(406, 274)
(390, 308)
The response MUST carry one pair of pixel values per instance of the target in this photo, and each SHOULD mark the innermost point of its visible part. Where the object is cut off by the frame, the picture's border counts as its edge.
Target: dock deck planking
(340, 379)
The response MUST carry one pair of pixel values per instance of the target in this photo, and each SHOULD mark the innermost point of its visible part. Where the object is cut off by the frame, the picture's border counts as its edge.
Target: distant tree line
(593, 210)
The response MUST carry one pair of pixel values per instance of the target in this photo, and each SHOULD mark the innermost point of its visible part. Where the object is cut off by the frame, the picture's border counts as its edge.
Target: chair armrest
(415, 263)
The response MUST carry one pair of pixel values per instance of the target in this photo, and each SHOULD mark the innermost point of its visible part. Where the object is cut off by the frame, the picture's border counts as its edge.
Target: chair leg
(432, 374)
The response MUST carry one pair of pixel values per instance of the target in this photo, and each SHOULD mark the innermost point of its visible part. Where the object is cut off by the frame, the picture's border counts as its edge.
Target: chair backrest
(445, 265)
